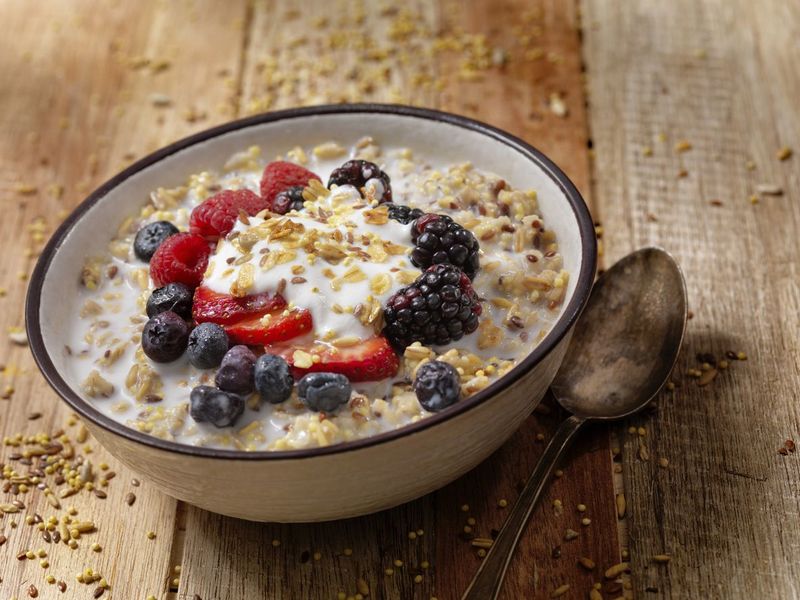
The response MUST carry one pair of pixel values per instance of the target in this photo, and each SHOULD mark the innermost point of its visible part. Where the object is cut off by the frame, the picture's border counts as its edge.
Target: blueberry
(209, 405)
(164, 337)
(273, 378)
(324, 392)
(208, 344)
(173, 296)
(150, 237)
(235, 374)
(437, 385)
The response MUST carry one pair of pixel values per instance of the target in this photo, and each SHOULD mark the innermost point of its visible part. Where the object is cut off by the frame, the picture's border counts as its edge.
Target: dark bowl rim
(561, 327)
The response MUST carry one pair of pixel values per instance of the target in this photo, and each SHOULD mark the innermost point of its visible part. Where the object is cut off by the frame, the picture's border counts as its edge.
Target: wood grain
(75, 109)
(722, 76)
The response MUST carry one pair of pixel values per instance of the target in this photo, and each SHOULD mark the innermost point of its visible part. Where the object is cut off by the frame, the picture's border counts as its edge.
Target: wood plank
(75, 109)
(288, 63)
(722, 76)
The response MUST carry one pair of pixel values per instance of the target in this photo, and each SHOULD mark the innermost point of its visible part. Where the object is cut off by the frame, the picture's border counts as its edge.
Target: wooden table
(675, 119)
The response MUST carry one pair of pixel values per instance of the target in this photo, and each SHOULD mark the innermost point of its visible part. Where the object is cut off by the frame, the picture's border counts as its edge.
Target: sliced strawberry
(216, 216)
(371, 360)
(280, 175)
(279, 328)
(225, 309)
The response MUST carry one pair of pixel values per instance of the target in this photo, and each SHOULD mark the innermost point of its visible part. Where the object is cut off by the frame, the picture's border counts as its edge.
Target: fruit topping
(324, 392)
(235, 373)
(366, 175)
(270, 328)
(216, 216)
(150, 237)
(173, 296)
(289, 199)
(164, 337)
(281, 175)
(182, 258)
(370, 360)
(440, 240)
(209, 405)
(226, 309)
(208, 343)
(404, 214)
(438, 308)
(273, 378)
(437, 385)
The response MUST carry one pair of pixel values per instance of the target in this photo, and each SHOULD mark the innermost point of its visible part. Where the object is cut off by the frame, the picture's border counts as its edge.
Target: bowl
(352, 478)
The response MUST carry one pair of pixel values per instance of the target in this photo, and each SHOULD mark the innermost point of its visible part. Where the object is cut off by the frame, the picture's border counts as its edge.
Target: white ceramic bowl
(347, 479)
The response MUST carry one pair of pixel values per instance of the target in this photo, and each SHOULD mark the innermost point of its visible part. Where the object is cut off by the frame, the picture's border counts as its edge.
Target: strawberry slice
(225, 309)
(371, 360)
(280, 327)
(242, 317)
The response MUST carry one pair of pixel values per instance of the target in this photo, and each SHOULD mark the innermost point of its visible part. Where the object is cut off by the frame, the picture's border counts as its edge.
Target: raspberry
(215, 217)
(281, 175)
(181, 258)
(440, 240)
(438, 308)
(363, 174)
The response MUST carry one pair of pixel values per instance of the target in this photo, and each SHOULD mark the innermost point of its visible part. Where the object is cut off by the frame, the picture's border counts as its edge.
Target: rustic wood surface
(722, 76)
(87, 88)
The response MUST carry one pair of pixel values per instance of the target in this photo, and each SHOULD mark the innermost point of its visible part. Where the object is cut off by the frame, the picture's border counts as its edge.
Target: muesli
(327, 295)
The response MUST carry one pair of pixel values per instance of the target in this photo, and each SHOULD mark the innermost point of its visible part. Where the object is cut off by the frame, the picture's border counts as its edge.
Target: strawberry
(225, 309)
(281, 175)
(181, 258)
(280, 328)
(241, 317)
(215, 216)
(371, 360)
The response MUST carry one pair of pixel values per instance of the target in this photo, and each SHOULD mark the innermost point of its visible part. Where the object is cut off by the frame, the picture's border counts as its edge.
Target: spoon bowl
(624, 346)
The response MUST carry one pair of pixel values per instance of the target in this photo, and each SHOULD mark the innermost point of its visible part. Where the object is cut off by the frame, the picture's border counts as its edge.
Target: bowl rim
(563, 324)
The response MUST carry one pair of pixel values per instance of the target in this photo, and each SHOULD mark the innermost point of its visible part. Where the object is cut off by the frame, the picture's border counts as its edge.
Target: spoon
(623, 349)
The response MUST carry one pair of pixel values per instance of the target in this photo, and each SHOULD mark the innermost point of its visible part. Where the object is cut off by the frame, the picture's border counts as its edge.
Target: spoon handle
(487, 581)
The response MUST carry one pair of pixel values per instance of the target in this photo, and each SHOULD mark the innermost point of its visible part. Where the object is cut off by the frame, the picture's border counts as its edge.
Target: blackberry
(150, 237)
(437, 385)
(289, 199)
(404, 214)
(438, 308)
(440, 240)
(362, 173)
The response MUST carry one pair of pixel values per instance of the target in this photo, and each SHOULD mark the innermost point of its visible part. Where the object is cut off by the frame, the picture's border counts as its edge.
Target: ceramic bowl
(352, 478)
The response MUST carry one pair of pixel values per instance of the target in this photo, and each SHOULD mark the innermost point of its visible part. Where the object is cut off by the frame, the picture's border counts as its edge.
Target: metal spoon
(623, 349)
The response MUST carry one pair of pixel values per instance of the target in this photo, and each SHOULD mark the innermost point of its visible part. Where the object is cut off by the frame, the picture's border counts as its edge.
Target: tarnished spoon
(622, 351)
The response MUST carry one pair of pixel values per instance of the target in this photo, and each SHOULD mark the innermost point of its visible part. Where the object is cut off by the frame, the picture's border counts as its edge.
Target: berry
(235, 373)
(289, 199)
(362, 173)
(438, 308)
(216, 216)
(208, 343)
(173, 296)
(226, 309)
(150, 237)
(279, 328)
(281, 175)
(274, 380)
(437, 385)
(324, 392)
(182, 258)
(440, 240)
(209, 405)
(164, 337)
(404, 214)
(371, 360)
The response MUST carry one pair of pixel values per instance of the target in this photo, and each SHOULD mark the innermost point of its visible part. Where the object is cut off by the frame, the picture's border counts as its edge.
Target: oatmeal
(325, 296)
